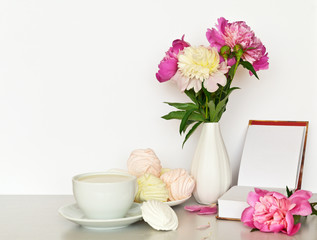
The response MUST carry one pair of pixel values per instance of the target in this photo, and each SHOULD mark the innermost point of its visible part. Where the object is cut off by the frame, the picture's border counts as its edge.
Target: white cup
(104, 195)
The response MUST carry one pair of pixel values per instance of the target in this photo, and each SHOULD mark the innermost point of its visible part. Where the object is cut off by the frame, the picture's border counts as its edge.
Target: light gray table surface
(34, 217)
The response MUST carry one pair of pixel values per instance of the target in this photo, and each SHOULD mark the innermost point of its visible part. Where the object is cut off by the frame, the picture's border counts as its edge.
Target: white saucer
(177, 202)
(74, 214)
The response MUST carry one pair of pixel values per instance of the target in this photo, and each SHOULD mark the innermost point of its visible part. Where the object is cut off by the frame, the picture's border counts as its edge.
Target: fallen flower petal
(201, 227)
(193, 208)
(208, 210)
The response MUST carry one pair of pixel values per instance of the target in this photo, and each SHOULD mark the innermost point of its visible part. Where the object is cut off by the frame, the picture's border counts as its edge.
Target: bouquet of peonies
(205, 74)
(274, 212)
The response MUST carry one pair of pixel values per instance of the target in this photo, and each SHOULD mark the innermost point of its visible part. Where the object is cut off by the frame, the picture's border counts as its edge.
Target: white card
(271, 156)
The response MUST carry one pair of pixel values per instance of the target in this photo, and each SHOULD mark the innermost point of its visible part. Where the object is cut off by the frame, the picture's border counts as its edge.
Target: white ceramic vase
(210, 166)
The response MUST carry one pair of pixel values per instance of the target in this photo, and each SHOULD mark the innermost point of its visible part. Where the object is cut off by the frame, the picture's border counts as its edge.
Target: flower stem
(220, 94)
(227, 86)
(235, 68)
(234, 72)
(206, 105)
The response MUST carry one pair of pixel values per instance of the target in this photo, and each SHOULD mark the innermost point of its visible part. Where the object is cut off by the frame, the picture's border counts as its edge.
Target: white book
(272, 158)
(234, 201)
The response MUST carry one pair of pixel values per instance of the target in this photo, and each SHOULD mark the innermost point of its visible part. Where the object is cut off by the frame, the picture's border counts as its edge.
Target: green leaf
(232, 89)
(289, 192)
(192, 95)
(189, 122)
(207, 94)
(225, 99)
(296, 219)
(174, 115)
(212, 106)
(212, 110)
(314, 211)
(231, 72)
(183, 106)
(221, 106)
(254, 230)
(179, 115)
(197, 117)
(201, 99)
(182, 126)
(190, 132)
(249, 66)
(228, 91)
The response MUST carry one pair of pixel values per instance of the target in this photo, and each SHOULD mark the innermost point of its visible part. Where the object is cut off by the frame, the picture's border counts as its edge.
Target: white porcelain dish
(175, 203)
(73, 213)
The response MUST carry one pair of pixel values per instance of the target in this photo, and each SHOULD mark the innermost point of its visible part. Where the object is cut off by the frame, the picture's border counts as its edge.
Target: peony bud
(237, 49)
(225, 51)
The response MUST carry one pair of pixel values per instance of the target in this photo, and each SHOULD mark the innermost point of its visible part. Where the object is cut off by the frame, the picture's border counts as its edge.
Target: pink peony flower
(177, 46)
(240, 33)
(167, 69)
(168, 66)
(273, 212)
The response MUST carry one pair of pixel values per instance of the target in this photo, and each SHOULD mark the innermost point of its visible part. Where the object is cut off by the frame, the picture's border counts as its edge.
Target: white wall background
(78, 90)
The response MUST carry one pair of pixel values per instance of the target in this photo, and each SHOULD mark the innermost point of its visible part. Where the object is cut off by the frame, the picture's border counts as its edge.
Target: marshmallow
(159, 215)
(144, 161)
(151, 188)
(179, 183)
